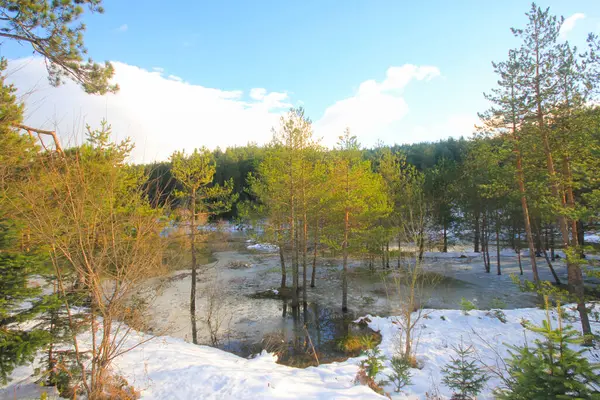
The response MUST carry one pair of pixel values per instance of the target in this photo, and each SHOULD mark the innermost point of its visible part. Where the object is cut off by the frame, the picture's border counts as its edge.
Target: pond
(241, 293)
(308, 335)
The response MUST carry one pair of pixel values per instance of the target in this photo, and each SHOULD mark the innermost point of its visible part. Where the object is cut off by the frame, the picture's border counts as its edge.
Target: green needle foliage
(373, 364)
(401, 374)
(20, 302)
(463, 374)
(550, 369)
(53, 31)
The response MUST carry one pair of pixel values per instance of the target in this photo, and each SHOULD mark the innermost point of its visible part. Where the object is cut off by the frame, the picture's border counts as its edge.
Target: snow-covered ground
(169, 368)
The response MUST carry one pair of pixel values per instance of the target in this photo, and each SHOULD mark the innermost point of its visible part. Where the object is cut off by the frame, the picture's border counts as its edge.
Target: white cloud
(160, 114)
(455, 126)
(160, 70)
(258, 93)
(175, 78)
(569, 24)
(122, 28)
(374, 109)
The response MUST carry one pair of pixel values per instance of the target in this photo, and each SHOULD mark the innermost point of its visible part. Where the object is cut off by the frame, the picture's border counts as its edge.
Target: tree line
(526, 180)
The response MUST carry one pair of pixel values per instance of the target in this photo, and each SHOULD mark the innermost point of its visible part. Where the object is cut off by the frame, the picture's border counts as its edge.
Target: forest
(89, 239)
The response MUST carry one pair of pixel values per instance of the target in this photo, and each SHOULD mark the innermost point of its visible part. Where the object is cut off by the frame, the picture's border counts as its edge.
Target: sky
(221, 73)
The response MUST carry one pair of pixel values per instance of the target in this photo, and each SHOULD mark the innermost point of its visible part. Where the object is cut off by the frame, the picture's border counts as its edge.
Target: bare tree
(88, 210)
(406, 286)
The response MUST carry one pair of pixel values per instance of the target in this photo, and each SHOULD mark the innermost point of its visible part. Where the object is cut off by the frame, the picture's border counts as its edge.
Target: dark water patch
(276, 294)
(310, 335)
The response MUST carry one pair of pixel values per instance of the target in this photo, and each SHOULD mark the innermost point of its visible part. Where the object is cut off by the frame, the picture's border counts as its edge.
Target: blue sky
(319, 52)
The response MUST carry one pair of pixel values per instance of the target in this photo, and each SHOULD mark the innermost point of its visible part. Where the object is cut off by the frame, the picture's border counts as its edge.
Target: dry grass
(354, 345)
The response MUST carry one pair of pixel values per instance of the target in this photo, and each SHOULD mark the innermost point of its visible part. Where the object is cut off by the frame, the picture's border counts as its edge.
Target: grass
(354, 345)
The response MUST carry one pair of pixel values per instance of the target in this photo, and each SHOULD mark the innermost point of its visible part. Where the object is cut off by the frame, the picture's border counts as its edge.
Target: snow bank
(168, 368)
(443, 328)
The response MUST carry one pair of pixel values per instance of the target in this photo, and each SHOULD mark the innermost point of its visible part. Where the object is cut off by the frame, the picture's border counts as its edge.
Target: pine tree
(285, 187)
(51, 28)
(19, 301)
(439, 188)
(392, 167)
(544, 65)
(401, 372)
(551, 369)
(506, 118)
(360, 199)
(195, 172)
(463, 374)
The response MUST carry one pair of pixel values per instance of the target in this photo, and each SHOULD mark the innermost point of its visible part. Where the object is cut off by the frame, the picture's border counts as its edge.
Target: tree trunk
(421, 242)
(487, 246)
(399, 250)
(282, 261)
(387, 254)
(51, 361)
(518, 249)
(293, 237)
(484, 243)
(574, 273)
(552, 255)
(476, 236)
(482, 231)
(580, 233)
(538, 239)
(445, 237)
(304, 256)
(525, 208)
(498, 243)
(545, 253)
(513, 233)
(296, 272)
(408, 337)
(314, 263)
(345, 263)
(556, 279)
(283, 275)
(194, 272)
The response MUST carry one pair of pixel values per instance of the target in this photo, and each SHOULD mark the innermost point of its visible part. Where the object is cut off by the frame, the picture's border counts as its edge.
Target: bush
(463, 374)
(466, 306)
(550, 369)
(369, 368)
(401, 375)
(373, 364)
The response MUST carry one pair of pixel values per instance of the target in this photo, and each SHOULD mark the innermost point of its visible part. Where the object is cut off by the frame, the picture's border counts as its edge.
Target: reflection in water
(306, 334)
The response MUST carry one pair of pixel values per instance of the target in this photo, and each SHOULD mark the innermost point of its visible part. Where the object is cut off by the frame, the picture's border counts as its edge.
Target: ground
(168, 367)
(244, 268)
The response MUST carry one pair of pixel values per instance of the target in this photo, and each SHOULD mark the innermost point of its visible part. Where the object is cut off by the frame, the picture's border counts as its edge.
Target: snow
(169, 368)
(592, 238)
(263, 247)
